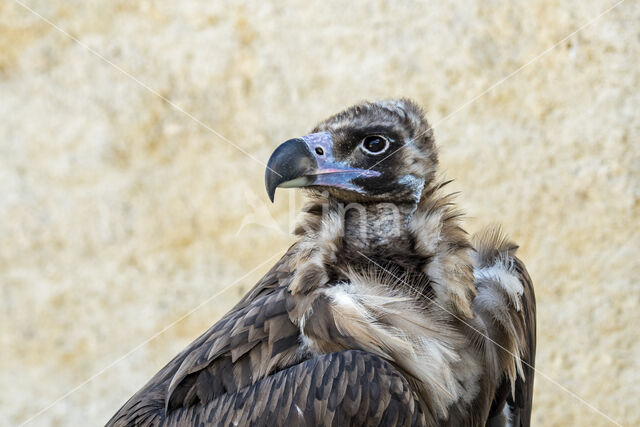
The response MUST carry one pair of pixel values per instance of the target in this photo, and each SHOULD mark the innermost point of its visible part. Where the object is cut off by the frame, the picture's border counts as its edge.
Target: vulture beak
(309, 161)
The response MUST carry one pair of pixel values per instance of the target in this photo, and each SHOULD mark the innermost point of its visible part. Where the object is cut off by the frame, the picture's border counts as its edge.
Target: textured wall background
(120, 214)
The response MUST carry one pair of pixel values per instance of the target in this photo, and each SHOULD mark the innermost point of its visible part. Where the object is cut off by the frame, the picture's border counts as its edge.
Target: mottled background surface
(120, 214)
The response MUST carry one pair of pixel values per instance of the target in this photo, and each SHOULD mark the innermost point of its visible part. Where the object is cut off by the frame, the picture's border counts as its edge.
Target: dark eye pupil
(375, 144)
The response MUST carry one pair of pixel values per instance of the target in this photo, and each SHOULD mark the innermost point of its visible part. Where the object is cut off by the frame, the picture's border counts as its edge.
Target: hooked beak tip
(291, 160)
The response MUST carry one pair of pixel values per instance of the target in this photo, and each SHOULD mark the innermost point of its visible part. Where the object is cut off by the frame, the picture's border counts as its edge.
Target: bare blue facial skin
(414, 183)
(329, 171)
(309, 161)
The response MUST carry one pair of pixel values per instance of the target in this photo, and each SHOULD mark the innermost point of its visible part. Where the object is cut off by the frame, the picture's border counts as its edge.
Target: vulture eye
(374, 144)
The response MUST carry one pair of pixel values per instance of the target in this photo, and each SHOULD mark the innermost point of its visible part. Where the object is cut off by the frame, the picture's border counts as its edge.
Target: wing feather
(362, 389)
(225, 358)
(512, 403)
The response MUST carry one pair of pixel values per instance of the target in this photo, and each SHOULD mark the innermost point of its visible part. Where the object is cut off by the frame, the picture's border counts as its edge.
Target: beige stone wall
(120, 214)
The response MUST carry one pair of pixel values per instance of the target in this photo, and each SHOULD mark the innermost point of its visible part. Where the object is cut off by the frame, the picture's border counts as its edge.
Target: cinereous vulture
(384, 312)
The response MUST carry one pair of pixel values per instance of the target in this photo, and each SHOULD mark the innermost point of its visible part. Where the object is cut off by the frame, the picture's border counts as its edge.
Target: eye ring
(374, 144)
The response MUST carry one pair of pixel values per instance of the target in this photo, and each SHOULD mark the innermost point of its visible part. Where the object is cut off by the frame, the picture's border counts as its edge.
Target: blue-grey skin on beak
(308, 161)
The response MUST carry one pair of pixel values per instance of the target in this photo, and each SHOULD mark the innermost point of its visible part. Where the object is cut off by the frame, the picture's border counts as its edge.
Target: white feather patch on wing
(502, 273)
(500, 291)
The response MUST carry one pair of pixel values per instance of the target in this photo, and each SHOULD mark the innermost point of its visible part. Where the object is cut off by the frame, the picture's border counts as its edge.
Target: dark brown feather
(361, 323)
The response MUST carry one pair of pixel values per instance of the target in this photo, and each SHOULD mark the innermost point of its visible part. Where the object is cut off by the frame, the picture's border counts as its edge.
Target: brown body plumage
(384, 312)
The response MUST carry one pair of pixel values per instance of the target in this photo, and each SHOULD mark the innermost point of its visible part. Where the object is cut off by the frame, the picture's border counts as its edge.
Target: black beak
(289, 165)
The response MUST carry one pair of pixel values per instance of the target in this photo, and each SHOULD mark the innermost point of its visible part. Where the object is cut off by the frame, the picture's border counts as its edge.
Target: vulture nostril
(319, 151)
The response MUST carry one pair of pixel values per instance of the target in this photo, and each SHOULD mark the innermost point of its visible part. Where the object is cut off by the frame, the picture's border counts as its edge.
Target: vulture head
(374, 151)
